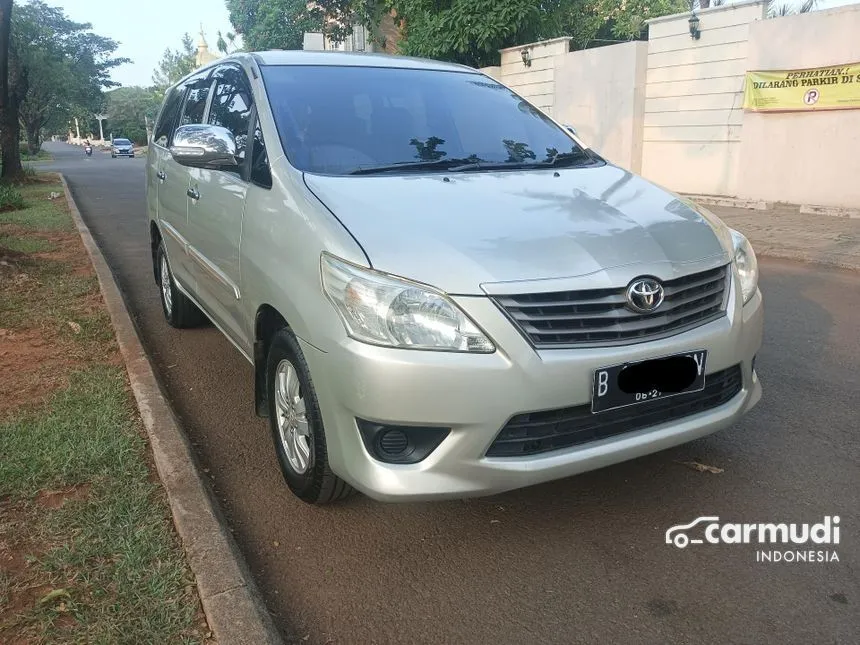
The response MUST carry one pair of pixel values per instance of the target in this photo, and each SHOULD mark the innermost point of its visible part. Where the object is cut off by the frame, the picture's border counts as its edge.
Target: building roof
(204, 56)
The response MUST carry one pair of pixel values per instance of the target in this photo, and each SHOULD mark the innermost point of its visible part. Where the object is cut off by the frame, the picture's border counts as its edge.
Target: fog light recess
(396, 444)
(393, 442)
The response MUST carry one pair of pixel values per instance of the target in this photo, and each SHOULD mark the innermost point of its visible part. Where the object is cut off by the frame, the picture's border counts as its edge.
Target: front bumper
(476, 394)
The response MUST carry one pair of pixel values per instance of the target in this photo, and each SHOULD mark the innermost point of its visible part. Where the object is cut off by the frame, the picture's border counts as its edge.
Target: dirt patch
(32, 367)
(8, 257)
(66, 247)
(38, 348)
(23, 584)
(56, 498)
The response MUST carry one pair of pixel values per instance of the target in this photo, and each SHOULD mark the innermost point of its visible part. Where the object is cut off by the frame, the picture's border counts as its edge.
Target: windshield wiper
(408, 166)
(564, 159)
(571, 159)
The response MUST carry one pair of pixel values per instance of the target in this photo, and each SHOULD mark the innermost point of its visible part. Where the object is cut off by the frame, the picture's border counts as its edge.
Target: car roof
(279, 57)
(352, 59)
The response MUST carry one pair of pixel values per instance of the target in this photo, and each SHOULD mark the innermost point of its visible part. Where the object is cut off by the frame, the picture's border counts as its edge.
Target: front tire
(296, 424)
(178, 310)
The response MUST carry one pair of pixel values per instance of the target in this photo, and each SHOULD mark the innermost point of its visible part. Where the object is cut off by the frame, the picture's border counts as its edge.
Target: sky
(145, 28)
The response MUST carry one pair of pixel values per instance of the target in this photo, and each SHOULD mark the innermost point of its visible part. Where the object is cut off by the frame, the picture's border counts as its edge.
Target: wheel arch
(154, 242)
(267, 322)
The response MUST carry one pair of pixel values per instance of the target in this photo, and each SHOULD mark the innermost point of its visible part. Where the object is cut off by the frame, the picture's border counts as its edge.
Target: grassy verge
(39, 156)
(87, 548)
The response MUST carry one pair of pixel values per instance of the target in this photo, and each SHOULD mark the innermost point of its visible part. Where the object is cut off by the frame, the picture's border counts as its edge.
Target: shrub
(10, 198)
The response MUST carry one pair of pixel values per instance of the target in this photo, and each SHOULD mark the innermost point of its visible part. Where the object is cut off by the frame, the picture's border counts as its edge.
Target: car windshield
(121, 142)
(356, 120)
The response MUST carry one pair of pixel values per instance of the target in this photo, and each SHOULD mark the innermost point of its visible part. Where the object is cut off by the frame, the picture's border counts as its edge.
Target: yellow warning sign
(820, 88)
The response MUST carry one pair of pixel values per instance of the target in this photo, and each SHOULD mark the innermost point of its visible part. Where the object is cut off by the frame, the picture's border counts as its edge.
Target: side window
(167, 118)
(231, 105)
(260, 173)
(195, 103)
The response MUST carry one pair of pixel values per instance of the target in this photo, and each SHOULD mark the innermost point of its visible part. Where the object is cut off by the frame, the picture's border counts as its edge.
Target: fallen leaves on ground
(702, 468)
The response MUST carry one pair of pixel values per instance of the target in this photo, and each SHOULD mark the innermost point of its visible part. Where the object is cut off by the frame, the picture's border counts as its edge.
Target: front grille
(600, 316)
(536, 432)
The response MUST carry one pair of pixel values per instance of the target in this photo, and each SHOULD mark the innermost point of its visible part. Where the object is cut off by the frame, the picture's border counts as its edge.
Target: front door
(173, 184)
(216, 206)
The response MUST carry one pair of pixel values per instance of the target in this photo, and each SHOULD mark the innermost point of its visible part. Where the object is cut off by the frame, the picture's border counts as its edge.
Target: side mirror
(204, 146)
(570, 128)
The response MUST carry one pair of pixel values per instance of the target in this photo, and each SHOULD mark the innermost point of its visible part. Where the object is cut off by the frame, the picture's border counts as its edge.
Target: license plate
(619, 386)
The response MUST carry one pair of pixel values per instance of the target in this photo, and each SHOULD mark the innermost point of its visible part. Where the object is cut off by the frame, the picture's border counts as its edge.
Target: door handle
(193, 193)
(161, 176)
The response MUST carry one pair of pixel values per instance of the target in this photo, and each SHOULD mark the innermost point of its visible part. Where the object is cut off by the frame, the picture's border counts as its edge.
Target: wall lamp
(695, 34)
(527, 58)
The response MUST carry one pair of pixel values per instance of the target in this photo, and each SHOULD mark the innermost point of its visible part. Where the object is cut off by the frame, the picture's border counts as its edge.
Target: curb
(832, 211)
(231, 601)
(754, 204)
(732, 202)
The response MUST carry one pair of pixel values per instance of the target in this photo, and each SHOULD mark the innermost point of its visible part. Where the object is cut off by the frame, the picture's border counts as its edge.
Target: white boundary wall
(694, 99)
(672, 108)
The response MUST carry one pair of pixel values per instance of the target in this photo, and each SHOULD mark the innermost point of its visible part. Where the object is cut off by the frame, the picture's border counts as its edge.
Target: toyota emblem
(644, 295)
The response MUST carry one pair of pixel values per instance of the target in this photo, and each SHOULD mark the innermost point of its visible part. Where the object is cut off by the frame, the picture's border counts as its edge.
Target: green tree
(780, 11)
(58, 69)
(226, 43)
(281, 24)
(128, 111)
(472, 31)
(274, 24)
(463, 31)
(174, 64)
(8, 117)
(595, 21)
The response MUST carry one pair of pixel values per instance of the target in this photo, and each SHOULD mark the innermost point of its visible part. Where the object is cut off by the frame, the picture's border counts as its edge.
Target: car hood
(496, 232)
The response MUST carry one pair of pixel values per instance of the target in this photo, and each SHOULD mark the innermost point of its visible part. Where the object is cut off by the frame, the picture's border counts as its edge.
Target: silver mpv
(443, 292)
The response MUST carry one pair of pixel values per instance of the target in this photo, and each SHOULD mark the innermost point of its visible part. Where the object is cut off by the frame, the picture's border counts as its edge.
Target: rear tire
(178, 310)
(296, 424)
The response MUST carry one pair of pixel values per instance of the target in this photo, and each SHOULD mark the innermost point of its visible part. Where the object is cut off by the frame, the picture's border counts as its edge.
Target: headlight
(380, 309)
(747, 265)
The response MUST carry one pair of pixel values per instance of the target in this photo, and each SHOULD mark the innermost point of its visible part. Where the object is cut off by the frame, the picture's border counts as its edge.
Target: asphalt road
(576, 561)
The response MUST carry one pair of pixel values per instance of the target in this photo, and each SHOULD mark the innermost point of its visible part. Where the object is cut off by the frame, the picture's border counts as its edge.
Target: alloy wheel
(292, 419)
(166, 293)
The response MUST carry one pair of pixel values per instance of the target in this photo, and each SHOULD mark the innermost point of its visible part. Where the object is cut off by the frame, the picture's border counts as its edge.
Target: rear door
(215, 215)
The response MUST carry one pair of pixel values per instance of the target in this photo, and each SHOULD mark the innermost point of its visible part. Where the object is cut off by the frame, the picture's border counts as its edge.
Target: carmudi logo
(820, 538)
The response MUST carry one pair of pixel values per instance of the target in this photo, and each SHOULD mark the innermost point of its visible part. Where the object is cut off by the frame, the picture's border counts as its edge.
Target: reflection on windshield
(517, 151)
(342, 120)
(427, 150)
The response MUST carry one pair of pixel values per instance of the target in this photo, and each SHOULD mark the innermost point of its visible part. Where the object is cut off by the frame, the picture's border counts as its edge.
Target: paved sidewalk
(783, 232)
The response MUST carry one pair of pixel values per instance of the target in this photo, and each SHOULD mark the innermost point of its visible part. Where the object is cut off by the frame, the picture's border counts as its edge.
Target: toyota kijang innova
(443, 292)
